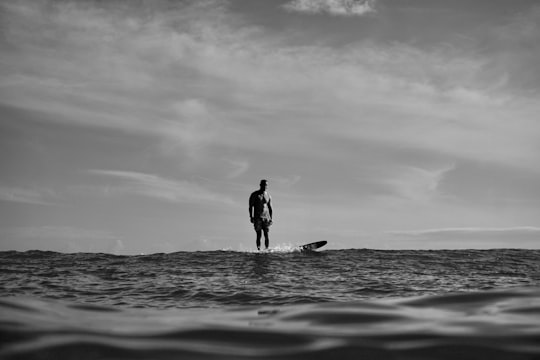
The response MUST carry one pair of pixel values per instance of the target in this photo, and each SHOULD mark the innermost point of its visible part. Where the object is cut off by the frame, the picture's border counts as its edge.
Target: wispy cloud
(238, 167)
(26, 196)
(514, 46)
(132, 66)
(469, 237)
(471, 230)
(197, 76)
(365, 118)
(333, 7)
(160, 188)
(61, 238)
(416, 183)
(62, 232)
(287, 181)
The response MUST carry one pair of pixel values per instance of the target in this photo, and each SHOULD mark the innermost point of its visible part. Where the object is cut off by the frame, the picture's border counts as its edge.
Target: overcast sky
(143, 126)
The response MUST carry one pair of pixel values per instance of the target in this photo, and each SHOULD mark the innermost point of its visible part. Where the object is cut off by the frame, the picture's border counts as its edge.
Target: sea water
(282, 304)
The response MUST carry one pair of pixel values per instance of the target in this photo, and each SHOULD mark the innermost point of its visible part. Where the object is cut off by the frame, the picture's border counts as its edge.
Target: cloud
(470, 237)
(514, 49)
(238, 167)
(191, 125)
(416, 183)
(160, 188)
(109, 65)
(26, 196)
(333, 7)
(471, 230)
(60, 238)
(487, 183)
(287, 181)
(195, 75)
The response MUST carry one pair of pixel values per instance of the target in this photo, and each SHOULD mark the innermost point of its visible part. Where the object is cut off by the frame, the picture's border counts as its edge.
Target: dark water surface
(340, 304)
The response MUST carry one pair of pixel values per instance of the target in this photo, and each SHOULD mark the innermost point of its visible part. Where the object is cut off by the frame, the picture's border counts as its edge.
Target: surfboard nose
(313, 245)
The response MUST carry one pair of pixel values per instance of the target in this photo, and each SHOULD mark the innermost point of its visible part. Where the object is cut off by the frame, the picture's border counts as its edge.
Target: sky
(133, 127)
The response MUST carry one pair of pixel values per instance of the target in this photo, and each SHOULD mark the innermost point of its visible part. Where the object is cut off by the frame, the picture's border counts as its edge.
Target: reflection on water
(261, 264)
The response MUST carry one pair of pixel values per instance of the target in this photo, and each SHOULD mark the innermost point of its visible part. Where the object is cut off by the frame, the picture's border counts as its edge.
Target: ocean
(282, 304)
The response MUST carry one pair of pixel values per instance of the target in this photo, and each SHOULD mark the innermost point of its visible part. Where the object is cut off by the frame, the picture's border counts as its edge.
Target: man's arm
(270, 207)
(251, 208)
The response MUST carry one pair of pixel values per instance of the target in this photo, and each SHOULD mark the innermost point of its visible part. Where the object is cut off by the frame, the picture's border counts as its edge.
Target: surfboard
(313, 246)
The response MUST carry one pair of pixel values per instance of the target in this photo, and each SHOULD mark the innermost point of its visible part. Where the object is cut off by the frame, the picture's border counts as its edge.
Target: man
(260, 213)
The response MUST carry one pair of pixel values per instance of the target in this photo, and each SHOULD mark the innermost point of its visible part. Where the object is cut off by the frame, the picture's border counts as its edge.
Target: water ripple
(499, 324)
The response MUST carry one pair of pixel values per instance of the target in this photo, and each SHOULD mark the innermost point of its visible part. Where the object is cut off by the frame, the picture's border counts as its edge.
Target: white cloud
(238, 167)
(62, 232)
(287, 181)
(514, 49)
(468, 237)
(197, 76)
(417, 184)
(160, 188)
(26, 196)
(61, 238)
(471, 230)
(189, 126)
(333, 7)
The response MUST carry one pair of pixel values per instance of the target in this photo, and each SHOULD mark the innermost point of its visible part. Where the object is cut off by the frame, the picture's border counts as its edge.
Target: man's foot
(258, 249)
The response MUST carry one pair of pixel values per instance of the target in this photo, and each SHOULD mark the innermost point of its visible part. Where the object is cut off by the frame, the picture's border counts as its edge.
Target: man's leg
(258, 239)
(266, 238)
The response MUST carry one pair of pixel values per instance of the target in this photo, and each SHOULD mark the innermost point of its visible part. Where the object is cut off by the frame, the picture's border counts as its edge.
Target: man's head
(264, 184)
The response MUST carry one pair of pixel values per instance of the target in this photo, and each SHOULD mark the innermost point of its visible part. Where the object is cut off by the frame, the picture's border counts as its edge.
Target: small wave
(223, 278)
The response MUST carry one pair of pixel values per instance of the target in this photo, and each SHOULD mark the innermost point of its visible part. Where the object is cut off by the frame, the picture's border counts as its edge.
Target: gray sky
(143, 126)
